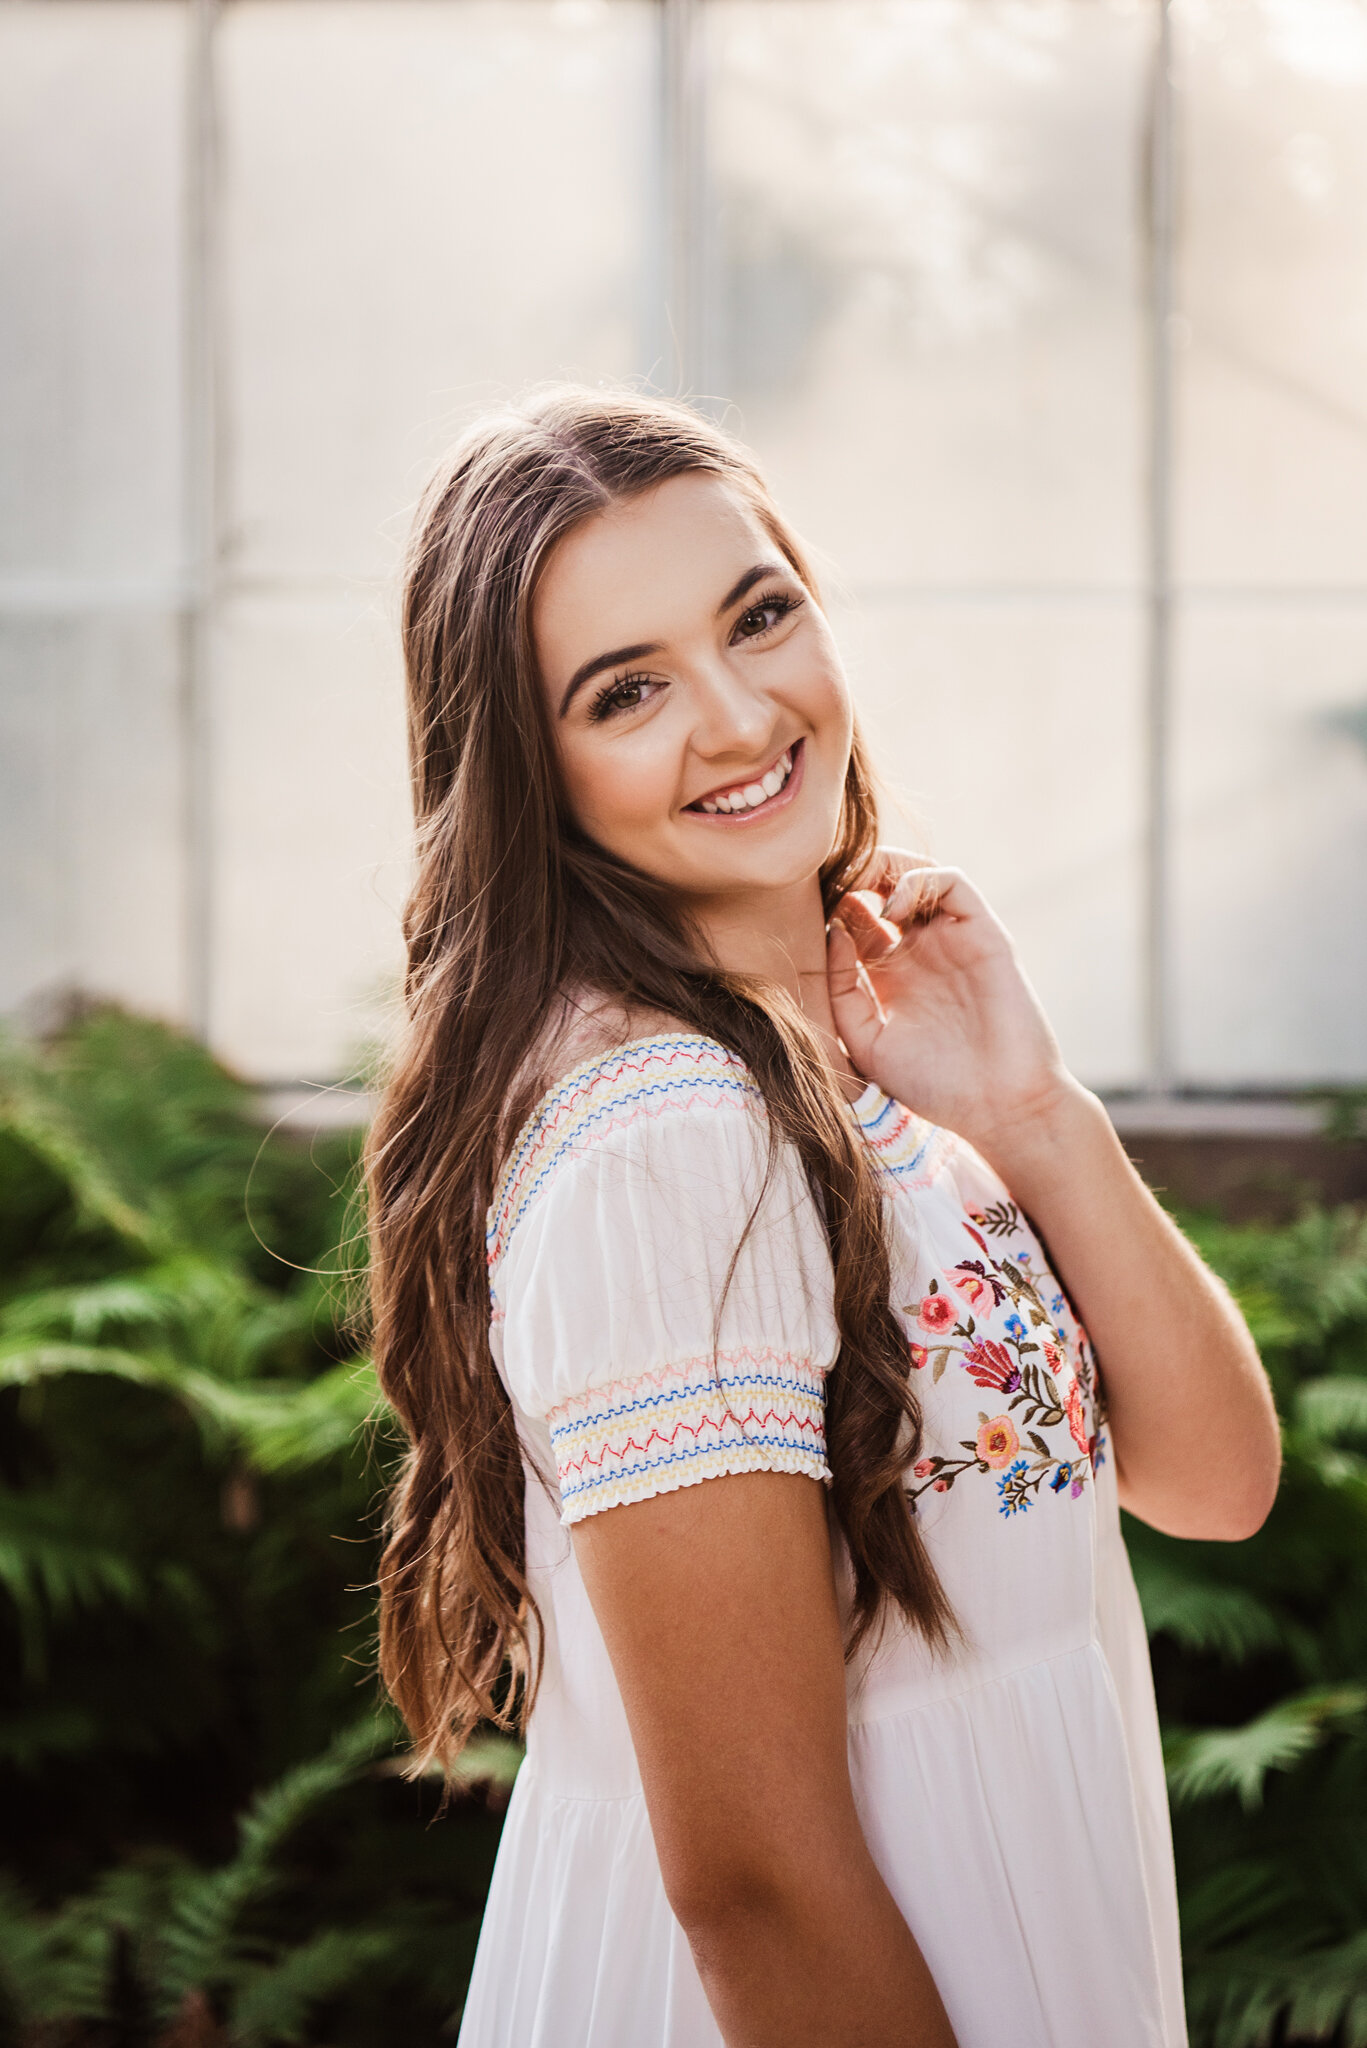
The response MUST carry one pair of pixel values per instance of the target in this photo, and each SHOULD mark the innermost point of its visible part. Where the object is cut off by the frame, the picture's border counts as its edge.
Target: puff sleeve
(657, 1340)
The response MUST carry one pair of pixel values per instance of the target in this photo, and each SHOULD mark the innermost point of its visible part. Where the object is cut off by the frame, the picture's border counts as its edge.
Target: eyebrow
(598, 662)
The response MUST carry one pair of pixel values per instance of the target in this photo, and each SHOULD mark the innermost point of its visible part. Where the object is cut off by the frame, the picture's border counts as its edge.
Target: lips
(748, 798)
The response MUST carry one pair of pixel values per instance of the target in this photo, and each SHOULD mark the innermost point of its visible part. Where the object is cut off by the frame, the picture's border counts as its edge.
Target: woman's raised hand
(933, 1005)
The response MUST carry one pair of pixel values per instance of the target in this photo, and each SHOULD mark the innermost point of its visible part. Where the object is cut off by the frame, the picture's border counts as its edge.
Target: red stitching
(658, 1436)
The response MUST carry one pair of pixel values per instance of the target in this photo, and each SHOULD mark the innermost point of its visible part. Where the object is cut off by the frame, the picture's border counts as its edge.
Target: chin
(769, 869)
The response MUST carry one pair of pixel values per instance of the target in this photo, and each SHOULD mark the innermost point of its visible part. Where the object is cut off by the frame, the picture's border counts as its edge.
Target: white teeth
(752, 793)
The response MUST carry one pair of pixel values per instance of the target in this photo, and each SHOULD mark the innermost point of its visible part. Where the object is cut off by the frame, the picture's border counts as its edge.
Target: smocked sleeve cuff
(732, 1411)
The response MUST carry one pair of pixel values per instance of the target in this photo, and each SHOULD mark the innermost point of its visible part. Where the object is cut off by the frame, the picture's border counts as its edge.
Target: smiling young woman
(760, 1459)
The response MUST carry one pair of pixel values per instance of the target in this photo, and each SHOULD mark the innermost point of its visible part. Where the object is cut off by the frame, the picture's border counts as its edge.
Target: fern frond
(278, 1425)
(46, 1557)
(1206, 1763)
(272, 2001)
(1248, 1998)
(30, 1111)
(198, 1942)
(285, 1426)
(1333, 1408)
(1299, 1282)
(27, 1739)
(1201, 1614)
(25, 1364)
(53, 1966)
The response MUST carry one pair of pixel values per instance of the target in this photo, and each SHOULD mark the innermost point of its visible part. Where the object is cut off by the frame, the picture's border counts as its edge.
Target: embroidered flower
(991, 1365)
(1042, 1377)
(997, 1442)
(938, 1313)
(1013, 1488)
(1077, 1420)
(974, 1289)
(979, 1287)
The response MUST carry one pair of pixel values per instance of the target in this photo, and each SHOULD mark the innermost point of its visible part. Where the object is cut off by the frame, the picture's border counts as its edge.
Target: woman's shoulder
(617, 1084)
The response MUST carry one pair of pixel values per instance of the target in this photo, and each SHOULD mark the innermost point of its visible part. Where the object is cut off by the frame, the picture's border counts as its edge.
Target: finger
(886, 867)
(873, 937)
(854, 1006)
(926, 893)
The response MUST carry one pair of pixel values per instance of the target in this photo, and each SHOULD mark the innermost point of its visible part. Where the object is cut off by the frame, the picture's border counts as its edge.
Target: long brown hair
(512, 908)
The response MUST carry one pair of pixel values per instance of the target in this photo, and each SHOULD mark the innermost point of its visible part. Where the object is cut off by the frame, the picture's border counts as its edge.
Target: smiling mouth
(746, 799)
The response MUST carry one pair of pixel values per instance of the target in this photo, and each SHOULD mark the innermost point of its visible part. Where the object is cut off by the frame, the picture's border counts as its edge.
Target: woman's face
(699, 706)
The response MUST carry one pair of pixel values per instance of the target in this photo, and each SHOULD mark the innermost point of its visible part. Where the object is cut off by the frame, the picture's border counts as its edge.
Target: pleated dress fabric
(1011, 1793)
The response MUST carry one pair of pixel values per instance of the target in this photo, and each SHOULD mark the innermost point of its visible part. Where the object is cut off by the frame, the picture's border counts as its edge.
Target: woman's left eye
(761, 618)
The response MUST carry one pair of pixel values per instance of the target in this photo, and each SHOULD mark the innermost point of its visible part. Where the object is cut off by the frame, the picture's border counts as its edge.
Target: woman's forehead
(641, 568)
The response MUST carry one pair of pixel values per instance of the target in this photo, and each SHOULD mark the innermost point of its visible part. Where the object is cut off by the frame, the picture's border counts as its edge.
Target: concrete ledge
(308, 1106)
(320, 1106)
(1216, 1116)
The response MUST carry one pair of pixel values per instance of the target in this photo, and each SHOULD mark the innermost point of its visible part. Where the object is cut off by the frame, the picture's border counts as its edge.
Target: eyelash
(780, 601)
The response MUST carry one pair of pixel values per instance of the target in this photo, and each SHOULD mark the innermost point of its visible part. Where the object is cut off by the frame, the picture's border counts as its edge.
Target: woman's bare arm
(932, 1004)
(717, 1604)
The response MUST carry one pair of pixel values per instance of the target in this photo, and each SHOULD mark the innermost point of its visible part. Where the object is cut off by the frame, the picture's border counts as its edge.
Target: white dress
(1011, 1795)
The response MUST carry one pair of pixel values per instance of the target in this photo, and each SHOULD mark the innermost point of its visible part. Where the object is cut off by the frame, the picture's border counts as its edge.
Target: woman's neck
(780, 935)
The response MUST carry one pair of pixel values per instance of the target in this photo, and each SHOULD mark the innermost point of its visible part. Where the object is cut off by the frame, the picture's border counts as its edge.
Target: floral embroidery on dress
(1038, 1379)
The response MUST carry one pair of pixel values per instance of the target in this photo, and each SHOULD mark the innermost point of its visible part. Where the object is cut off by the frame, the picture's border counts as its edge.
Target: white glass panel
(1273, 291)
(1272, 844)
(424, 205)
(90, 810)
(925, 248)
(312, 832)
(92, 100)
(1009, 740)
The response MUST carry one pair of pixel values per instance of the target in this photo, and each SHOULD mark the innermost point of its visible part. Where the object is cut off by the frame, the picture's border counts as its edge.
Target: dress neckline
(868, 1108)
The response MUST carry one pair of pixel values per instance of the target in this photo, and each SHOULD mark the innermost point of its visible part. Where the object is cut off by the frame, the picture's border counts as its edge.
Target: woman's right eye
(625, 694)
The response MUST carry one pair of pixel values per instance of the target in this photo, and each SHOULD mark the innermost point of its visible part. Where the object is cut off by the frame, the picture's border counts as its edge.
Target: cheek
(813, 679)
(618, 794)
(821, 694)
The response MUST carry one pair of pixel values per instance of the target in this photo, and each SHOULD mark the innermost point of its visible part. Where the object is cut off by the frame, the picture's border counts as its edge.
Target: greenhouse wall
(1047, 318)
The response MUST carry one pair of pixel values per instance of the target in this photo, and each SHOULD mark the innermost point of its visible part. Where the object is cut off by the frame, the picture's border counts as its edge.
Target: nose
(732, 719)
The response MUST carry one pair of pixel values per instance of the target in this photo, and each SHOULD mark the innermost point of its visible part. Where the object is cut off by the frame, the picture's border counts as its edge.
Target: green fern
(1333, 1408)
(200, 1946)
(52, 1966)
(274, 2001)
(1203, 1764)
(1228, 1621)
(1253, 1999)
(193, 1455)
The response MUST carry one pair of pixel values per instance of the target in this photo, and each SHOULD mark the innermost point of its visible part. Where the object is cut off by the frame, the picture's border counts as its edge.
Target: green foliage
(204, 1842)
(209, 1839)
(1260, 1659)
